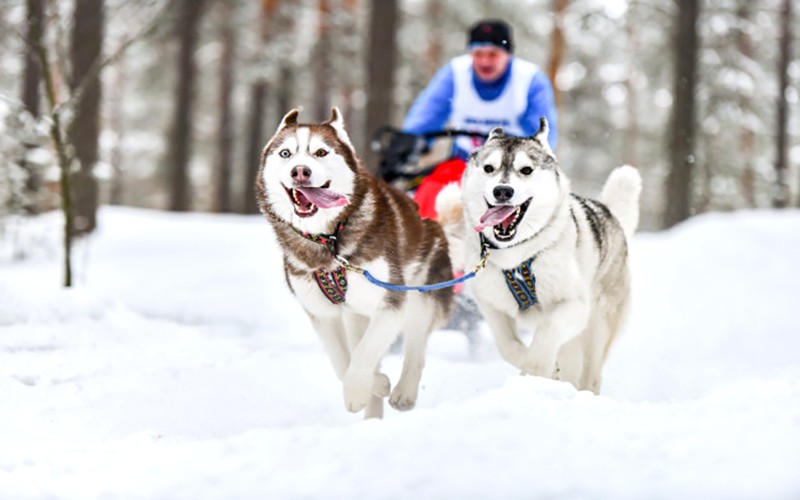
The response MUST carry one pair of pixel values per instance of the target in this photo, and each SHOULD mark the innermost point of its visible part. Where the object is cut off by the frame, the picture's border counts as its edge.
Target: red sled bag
(445, 173)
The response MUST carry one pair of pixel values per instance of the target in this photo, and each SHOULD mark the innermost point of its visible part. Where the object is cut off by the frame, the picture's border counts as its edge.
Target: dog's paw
(538, 367)
(358, 389)
(401, 400)
(381, 386)
(534, 369)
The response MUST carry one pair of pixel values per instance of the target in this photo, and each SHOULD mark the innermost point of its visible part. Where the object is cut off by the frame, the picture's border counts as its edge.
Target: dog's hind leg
(380, 389)
(595, 340)
(374, 408)
(599, 335)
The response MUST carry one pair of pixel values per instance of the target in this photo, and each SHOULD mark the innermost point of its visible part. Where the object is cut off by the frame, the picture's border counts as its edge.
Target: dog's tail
(621, 196)
(450, 212)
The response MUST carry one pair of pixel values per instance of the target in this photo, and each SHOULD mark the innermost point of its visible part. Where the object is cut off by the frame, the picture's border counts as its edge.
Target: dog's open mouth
(307, 200)
(504, 220)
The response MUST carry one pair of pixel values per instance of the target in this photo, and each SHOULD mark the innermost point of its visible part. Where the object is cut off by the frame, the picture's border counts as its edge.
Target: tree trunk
(434, 51)
(84, 131)
(284, 87)
(258, 105)
(781, 198)
(283, 97)
(344, 31)
(557, 46)
(630, 153)
(682, 153)
(117, 126)
(382, 53)
(747, 141)
(64, 162)
(32, 78)
(255, 141)
(323, 71)
(190, 12)
(225, 128)
(32, 75)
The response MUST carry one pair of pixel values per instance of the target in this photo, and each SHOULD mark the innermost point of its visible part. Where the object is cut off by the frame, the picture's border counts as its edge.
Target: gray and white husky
(329, 213)
(557, 262)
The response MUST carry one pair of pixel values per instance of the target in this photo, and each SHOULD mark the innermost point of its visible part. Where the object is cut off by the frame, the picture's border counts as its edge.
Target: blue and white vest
(472, 113)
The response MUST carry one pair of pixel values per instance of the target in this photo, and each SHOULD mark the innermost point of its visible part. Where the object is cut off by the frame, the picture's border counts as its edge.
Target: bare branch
(64, 161)
(93, 73)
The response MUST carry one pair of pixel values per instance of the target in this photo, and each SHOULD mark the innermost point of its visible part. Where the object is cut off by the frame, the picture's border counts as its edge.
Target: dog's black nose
(301, 173)
(503, 193)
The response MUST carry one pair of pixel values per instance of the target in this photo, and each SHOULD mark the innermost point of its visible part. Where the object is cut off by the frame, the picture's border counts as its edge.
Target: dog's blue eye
(285, 153)
(488, 169)
(526, 170)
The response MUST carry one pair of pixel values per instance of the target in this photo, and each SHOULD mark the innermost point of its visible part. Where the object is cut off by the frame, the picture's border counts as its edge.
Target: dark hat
(491, 32)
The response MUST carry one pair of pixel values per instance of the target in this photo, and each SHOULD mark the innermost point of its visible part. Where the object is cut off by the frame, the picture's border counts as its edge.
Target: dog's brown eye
(320, 153)
(488, 169)
(284, 153)
(526, 170)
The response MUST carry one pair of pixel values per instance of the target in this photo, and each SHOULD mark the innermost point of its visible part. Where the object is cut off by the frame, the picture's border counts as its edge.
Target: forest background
(166, 104)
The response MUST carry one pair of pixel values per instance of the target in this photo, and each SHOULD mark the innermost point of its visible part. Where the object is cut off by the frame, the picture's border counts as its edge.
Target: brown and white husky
(326, 210)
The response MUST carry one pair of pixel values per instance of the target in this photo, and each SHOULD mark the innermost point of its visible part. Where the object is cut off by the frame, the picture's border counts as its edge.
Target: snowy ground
(181, 368)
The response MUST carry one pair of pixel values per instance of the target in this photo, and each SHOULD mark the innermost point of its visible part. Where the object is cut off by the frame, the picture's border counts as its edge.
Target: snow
(181, 367)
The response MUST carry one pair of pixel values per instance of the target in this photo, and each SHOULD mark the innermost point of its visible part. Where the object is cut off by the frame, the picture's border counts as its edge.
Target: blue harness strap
(522, 283)
(333, 284)
(421, 288)
(485, 245)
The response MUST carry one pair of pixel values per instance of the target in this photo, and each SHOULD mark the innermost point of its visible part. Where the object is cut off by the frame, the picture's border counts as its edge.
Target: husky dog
(333, 219)
(557, 262)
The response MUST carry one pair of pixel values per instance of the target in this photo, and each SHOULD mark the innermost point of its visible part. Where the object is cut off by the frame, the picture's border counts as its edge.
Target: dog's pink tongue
(323, 197)
(495, 215)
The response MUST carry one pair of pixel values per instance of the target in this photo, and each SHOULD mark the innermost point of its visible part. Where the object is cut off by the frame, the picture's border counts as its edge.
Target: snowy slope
(180, 367)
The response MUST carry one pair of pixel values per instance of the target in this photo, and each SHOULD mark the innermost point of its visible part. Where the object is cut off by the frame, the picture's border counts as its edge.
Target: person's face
(489, 62)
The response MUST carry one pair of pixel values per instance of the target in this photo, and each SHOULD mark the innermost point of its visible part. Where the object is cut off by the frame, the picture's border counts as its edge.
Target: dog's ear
(337, 122)
(290, 119)
(336, 117)
(543, 132)
(541, 136)
(495, 133)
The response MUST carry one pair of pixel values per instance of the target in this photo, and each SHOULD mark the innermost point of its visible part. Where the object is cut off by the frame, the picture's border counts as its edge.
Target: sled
(406, 160)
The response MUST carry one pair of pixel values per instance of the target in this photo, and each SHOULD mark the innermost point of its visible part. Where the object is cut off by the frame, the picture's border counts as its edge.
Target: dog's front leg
(359, 379)
(504, 329)
(558, 326)
(415, 338)
(355, 326)
(331, 333)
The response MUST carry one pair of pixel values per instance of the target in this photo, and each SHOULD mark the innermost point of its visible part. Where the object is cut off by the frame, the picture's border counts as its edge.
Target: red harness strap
(333, 284)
